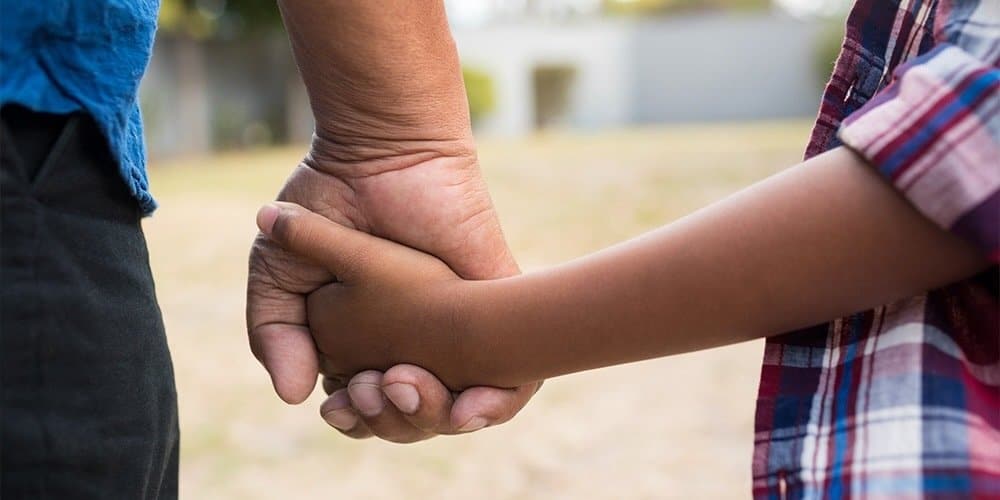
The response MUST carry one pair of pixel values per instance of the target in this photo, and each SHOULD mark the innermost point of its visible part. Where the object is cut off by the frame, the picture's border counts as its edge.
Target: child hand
(392, 304)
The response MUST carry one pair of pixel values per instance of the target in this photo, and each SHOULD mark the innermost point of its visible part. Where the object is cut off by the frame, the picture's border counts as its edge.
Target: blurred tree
(187, 24)
(200, 19)
(480, 92)
(652, 7)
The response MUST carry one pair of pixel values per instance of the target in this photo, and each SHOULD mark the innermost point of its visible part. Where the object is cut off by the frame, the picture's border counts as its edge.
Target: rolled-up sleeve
(934, 133)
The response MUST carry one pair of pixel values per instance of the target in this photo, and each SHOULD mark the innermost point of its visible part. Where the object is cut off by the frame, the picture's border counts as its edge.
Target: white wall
(682, 68)
(686, 68)
(719, 67)
(509, 53)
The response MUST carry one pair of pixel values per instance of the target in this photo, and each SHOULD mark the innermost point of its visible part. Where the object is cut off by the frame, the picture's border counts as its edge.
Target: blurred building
(601, 73)
(549, 63)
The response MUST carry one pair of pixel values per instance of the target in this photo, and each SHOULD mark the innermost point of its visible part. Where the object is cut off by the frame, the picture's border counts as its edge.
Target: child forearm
(819, 241)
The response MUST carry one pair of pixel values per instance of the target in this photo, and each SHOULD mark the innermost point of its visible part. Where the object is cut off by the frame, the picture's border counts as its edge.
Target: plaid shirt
(902, 401)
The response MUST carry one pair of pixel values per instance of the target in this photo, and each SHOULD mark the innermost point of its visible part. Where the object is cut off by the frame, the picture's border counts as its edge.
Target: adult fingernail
(344, 419)
(473, 424)
(367, 398)
(404, 396)
(266, 217)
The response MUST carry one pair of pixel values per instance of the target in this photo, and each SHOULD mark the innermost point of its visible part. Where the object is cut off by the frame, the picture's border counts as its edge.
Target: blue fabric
(60, 56)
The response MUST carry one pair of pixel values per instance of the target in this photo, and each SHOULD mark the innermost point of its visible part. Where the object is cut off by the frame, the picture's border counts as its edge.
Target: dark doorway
(552, 86)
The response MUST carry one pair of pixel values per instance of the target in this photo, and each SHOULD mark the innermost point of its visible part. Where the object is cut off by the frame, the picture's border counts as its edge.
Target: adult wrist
(369, 157)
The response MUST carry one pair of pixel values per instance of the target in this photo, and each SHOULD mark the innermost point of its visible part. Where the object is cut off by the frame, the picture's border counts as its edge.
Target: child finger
(345, 252)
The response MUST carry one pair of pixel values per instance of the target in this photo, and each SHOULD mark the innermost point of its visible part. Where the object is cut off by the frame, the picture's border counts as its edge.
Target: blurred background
(596, 121)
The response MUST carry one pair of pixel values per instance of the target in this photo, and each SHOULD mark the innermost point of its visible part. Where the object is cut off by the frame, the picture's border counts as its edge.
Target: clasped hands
(390, 304)
(392, 156)
(438, 205)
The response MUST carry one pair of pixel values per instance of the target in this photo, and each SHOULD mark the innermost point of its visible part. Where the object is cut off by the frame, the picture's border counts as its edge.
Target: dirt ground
(678, 427)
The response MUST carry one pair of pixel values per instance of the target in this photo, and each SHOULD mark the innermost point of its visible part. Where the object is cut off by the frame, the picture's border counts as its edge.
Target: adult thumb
(289, 355)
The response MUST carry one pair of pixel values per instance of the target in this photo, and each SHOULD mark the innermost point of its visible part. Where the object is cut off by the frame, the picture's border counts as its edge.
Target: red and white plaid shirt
(902, 401)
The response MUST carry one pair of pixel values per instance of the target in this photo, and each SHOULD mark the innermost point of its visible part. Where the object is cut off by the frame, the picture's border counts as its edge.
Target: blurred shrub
(233, 126)
(200, 19)
(480, 92)
(828, 48)
(227, 123)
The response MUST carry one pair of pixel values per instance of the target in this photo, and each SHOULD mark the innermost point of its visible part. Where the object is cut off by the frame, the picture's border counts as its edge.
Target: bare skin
(393, 155)
(743, 268)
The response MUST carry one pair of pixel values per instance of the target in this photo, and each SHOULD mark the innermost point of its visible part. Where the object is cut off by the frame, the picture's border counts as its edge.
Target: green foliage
(480, 92)
(218, 18)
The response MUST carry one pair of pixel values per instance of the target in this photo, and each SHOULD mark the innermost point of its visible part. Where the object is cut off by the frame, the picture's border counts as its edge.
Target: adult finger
(337, 411)
(276, 329)
(382, 418)
(479, 407)
(420, 397)
(289, 356)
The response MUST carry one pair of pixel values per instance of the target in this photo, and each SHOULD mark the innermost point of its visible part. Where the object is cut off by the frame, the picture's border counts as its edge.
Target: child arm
(821, 240)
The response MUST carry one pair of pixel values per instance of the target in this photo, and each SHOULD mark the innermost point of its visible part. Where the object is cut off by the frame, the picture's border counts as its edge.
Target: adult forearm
(822, 240)
(383, 79)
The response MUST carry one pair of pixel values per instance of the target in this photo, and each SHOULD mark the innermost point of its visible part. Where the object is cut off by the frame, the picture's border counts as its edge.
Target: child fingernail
(343, 419)
(404, 396)
(474, 424)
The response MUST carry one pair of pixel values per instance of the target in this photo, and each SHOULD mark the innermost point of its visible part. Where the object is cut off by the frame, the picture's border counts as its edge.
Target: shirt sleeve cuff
(934, 134)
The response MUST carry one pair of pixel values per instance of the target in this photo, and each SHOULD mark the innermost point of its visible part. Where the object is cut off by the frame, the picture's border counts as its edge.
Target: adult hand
(392, 155)
(438, 205)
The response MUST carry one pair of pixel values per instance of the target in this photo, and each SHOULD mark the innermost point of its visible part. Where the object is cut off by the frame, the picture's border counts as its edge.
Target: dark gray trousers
(88, 407)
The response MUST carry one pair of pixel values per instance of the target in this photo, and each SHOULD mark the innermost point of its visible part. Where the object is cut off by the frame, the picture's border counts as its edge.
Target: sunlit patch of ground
(678, 427)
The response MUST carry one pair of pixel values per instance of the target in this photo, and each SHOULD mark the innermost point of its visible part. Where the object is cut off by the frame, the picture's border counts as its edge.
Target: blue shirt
(61, 56)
